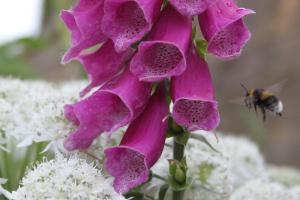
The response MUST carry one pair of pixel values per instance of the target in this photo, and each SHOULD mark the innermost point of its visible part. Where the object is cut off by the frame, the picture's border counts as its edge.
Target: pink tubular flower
(223, 27)
(116, 104)
(163, 55)
(140, 147)
(192, 7)
(103, 64)
(193, 96)
(84, 23)
(127, 21)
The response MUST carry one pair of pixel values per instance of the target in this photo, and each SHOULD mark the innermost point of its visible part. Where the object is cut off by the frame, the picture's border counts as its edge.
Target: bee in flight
(264, 99)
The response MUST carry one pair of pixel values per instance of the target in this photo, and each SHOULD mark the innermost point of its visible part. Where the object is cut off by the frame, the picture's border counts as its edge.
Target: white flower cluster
(217, 175)
(264, 190)
(288, 176)
(62, 179)
(33, 110)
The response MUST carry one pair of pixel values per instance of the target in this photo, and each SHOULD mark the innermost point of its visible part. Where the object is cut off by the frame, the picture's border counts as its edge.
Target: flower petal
(127, 21)
(103, 64)
(223, 27)
(193, 96)
(163, 55)
(192, 7)
(140, 147)
(84, 23)
(114, 105)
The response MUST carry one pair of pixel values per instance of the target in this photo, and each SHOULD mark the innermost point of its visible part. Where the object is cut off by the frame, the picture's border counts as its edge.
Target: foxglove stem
(178, 154)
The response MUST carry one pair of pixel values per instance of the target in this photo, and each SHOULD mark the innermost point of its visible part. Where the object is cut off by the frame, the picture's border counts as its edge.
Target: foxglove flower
(192, 7)
(127, 21)
(163, 55)
(84, 23)
(224, 29)
(193, 96)
(140, 147)
(103, 64)
(114, 105)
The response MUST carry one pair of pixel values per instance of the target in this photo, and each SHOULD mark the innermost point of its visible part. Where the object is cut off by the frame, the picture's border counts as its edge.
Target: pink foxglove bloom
(163, 55)
(224, 29)
(193, 96)
(84, 23)
(103, 64)
(127, 21)
(192, 7)
(114, 105)
(140, 147)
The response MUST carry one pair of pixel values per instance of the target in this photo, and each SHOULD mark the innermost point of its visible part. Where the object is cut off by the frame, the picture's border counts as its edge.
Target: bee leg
(264, 113)
(246, 103)
(255, 108)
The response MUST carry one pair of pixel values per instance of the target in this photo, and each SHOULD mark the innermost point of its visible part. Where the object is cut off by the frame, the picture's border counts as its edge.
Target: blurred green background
(271, 56)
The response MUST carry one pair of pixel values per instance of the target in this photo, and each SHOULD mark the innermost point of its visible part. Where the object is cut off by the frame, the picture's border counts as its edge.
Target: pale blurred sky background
(33, 39)
(20, 18)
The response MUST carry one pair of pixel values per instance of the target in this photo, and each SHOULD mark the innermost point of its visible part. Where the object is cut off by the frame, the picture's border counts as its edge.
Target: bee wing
(277, 87)
(239, 101)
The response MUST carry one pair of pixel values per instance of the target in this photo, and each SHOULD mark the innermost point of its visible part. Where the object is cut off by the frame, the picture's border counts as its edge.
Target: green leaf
(182, 138)
(201, 47)
(179, 187)
(173, 129)
(172, 166)
(134, 195)
(201, 138)
(165, 3)
(194, 33)
(163, 191)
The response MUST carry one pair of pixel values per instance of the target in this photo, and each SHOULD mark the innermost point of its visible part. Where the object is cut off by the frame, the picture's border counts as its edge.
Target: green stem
(178, 154)
(158, 177)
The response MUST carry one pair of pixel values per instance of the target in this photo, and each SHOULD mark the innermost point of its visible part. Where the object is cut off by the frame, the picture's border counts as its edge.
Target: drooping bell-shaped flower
(192, 7)
(114, 105)
(193, 96)
(163, 55)
(223, 27)
(140, 147)
(127, 21)
(84, 23)
(103, 64)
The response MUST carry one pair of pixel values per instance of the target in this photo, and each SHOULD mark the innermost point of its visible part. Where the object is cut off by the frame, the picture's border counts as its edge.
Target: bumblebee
(263, 99)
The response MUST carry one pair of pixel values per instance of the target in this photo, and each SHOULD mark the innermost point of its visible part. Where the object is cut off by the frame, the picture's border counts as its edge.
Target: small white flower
(216, 175)
(63, 178)
(286, 175)
(246, 161)
(295, 191)
(262, 190)
(32, 111)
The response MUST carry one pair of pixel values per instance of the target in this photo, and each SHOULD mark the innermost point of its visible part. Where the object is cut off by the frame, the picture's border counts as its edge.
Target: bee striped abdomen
(273, 104)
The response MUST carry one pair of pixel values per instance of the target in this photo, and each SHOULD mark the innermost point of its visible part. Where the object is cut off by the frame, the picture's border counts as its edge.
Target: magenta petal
(223, 27)
(84, 23)
(119, 102)
(193, 96)
(140, 147)
(163, 55)
(103, 64)
(192, 7)
(127, 21)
